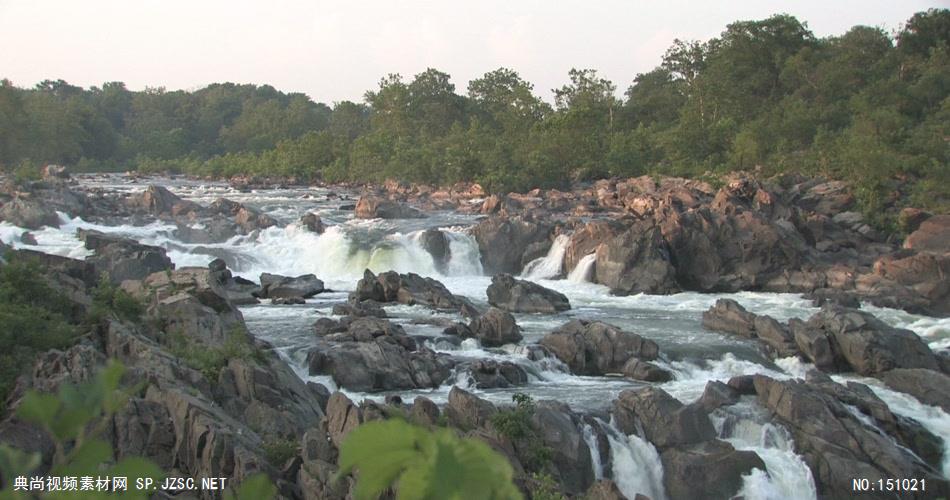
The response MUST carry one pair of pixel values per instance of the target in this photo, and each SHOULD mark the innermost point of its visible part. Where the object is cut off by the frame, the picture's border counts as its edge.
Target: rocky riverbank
(216, 401)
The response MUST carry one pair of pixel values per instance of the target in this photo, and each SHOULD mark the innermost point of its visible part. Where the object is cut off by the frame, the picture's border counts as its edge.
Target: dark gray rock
(597, 348)
(522, 296)
(495, 328)
(276, 286)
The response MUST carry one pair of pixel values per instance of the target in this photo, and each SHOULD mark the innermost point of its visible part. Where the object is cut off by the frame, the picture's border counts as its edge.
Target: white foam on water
(551, 264)
(636, 465)
(584, 269)
(932, 418)
(591, 439)
(691, 377)
(786, 477)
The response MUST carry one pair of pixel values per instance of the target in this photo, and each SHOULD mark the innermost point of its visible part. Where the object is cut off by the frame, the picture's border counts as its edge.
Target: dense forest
(867, 105)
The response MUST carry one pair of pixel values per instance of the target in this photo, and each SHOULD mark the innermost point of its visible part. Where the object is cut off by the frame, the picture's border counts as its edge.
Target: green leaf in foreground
(423, 464)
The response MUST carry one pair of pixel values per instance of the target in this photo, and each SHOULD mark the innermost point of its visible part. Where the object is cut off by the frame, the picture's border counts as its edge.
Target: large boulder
(312, 222)
(157, 200)
(837, 446)
(929, 386)
(379, 364)
(597, 348)
(410, 289)
(711, 469)
(495, 328)
(436, 243)
(503, 241)
(561, 431)
(492, 374)
(933, 235)
(636, 261)
(122, 258)
(665, 421)
(28, 213)
(522, 296)
(860, 342)
(467, 411)
(730, 317)
(276, 286)
(370, 207)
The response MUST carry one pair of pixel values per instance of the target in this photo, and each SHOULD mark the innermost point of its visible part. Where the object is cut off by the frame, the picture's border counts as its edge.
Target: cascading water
(636, 465)
(584, 269)
(786, 477)
(348, 246)
(550, 265)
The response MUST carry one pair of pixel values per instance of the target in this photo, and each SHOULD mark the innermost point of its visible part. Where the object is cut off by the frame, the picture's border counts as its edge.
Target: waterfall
(584, 269)
(591, 439)
(550, 265)
(636, 465)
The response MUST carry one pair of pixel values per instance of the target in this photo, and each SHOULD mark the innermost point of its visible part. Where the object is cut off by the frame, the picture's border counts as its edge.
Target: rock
(123, 259)
(646, 371)
(276, 286)
(55, 172)
(157, 200)
(360, 309)
(596, 348)
(240, 291)
(909, 219)
(435, 242)
(424, 411)
(929, 386)
(369, 207)
(730, 317)
(27, 238)
(312, 222)
(711, 469)
(836, 445)
(379, 364)
(560, 430)
(495, 328)
(933, 235)
(665, 421)
(468, 411)
(491, 374)
(605, 489)
(716, 395)
(287, 301)
(327, 326)
(586, 239)
(522, 296)
(861, 342)
(28, 213)
(250, 220)
(636, 261)
(502, 241)
(410, 289)
(342, 417)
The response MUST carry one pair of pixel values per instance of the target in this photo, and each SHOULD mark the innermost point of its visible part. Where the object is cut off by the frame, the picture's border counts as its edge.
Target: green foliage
(278, 451)
(544, 487)
(110, 300)
(77, 419)
(256, 487)
(515, 424)
(33, 318)
(210, 359)
(423, 464)
(764, 93)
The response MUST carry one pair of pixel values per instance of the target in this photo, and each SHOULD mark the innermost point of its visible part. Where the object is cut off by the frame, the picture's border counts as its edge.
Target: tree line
(867, 105)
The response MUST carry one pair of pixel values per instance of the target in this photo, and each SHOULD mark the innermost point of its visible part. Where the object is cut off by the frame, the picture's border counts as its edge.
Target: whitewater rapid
(348, 246)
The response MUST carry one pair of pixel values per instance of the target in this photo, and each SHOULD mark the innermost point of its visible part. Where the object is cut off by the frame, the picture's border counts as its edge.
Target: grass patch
(209, 360)
(515, 424)
(279, 451)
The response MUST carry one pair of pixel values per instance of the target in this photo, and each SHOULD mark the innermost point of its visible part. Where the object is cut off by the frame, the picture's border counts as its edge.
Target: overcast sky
(336, 50)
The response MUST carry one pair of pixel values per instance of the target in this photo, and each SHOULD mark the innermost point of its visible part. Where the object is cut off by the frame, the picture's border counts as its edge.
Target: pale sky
(336, 50)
